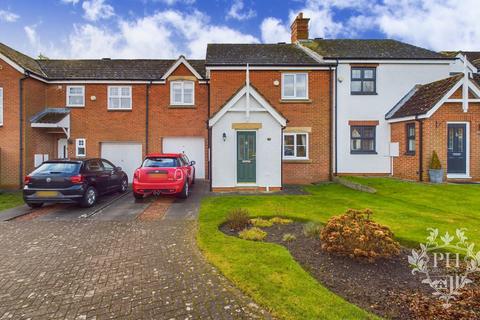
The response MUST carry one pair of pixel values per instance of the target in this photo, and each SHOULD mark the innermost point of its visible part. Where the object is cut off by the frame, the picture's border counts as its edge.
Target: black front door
(457, 148)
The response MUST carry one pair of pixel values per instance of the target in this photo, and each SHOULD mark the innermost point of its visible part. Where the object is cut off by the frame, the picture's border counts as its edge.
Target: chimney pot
(299, 28)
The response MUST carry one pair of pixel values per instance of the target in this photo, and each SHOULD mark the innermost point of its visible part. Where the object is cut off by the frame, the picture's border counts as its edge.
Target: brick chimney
(299, 28)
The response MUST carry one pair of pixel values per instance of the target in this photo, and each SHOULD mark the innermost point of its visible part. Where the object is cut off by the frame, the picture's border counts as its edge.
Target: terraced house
(252, 116)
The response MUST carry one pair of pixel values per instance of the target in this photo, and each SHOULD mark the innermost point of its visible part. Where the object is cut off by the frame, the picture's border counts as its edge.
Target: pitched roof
(423, 98)
(257, 54)
(96, 69)
(472, 56)
(50, 115)
(369, 49)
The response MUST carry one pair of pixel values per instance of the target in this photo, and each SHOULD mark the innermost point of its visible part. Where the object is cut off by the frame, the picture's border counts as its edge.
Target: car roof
(166, 155)
(74, 160)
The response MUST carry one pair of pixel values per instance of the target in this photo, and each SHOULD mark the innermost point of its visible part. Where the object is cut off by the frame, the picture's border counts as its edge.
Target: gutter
(21, 138)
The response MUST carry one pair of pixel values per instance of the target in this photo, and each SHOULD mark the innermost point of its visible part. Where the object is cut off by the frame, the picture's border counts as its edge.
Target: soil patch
(386, 287)
(35, 213)
(157, 209)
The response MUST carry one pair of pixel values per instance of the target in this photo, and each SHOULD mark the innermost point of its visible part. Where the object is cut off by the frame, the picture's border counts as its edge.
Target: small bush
(435, 163)
(255, 234)
(312, 229)
(238, 219)
(261, 223)
(355, 235)
(278, 220)
(287, 237)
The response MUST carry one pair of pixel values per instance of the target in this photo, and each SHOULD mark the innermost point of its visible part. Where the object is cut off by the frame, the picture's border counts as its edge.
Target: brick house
(439, 117)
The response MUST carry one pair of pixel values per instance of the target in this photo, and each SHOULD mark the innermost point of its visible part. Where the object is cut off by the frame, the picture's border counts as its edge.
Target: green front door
(246, 151)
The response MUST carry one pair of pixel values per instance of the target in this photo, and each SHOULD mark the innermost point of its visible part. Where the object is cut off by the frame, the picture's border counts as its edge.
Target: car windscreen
(57, 168)
(160, 162)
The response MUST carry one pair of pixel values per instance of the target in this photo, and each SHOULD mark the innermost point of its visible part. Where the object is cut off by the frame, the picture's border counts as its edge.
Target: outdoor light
(224, 136)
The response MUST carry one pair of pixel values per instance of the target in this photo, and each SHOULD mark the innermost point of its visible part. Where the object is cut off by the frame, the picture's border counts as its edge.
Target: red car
(170, 173)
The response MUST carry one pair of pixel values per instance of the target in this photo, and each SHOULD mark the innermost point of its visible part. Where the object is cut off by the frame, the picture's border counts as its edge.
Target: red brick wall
(314, 114)
(405, 166)
(9, 132)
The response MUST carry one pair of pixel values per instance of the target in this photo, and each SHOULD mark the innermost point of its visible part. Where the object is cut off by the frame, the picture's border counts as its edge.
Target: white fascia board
(183, 61)
(104, 81)
(393, 61)
(12, 64)
(410, 118)
(268, 68)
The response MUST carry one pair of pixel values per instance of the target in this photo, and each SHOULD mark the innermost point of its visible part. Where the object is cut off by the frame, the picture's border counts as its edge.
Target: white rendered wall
(394, 81)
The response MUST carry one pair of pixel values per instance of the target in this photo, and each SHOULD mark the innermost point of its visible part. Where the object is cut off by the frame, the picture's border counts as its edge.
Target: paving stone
(112, 269)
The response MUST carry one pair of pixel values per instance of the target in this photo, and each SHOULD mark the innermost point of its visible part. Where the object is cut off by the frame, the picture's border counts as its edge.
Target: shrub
(312, 229)
(238, 219)
(355, 235)
(261, 223)
(278, 220)
(255, 234)
(435, 163)
(287, 237)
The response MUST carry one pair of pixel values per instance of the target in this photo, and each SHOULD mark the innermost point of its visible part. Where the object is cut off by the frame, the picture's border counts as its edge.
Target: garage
(127, 155)
(193, 147)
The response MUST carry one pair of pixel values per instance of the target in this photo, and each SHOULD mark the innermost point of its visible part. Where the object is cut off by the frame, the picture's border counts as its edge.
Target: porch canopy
(53, 118)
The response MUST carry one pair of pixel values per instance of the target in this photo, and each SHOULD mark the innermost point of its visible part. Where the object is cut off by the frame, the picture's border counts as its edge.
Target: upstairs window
(80, 147)
(75, 96)
(1, 106)
(182, 93)
(294, 86)
(411, 138)
(295, 146)
(364, 80)
(362, 139)
(119, 98)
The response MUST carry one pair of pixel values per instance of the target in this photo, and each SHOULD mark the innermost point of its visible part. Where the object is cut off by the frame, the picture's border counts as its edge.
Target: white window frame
(182, 103)
(78, 146)
(76, 95)
(294, 97)
(120, 96)
(1, 106)
(294, 157)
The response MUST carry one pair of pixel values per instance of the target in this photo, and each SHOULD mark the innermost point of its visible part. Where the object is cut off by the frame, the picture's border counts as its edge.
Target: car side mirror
(118, 169)
(192, 163)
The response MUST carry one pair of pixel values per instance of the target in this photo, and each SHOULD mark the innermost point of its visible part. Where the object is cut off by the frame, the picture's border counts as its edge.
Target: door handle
(246, 161)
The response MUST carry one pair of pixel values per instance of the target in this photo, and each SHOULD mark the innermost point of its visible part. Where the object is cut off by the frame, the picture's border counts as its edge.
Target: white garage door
(193, 147)
(125, 155)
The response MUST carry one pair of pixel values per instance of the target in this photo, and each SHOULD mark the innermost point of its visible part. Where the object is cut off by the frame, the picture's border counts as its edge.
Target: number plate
(158, 175)
(46, 194)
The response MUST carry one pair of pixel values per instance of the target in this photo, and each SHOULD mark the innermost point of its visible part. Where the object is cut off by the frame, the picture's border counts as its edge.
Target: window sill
(297, 161)
(295, 101)
(363, 152)
(76, 106)
(363, 93)
(410, 154)
(120, 110)
(182, 106)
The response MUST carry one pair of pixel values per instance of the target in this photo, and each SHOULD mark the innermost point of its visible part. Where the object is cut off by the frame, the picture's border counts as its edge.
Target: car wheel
(193, 180)
(35, 205)
(89, 198)
(124, 185)
(185, 191)
(138, 196)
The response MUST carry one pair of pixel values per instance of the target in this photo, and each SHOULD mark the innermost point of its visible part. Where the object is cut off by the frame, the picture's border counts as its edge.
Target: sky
(168, 28)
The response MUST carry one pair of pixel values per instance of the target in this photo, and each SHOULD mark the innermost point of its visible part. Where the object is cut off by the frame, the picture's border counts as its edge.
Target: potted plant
(435, 171)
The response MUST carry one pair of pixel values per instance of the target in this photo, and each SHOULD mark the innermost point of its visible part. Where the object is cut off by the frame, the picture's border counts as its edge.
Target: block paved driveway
(122, 269)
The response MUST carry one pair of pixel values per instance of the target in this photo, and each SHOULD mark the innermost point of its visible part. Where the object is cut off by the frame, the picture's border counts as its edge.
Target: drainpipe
(209, 139)
(420, 147)
(21, 166)
(336, 121)
(147, 107)
(281, 158)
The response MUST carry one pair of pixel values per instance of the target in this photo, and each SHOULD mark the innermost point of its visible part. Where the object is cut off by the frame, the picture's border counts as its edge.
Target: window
(119, 98)
(94, 166)
(294, 86)
(295, 146)
(80, 147)
(363, 81)
(411, 138)
(182, 93)
(1, 106)
(362, 139)
(75, 96)
(108, 166)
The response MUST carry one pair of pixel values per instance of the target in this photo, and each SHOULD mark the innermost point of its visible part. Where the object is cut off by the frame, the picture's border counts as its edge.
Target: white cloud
(74, 2)
(97, 9)
(235, 11)
(435, 24)
(173, 2)
(166, 34)
(32, 35)
(274, 31)
(8, 16)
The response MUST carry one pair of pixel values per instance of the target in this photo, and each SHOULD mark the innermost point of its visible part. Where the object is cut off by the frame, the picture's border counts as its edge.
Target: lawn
(269, 274)
(10, 199)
